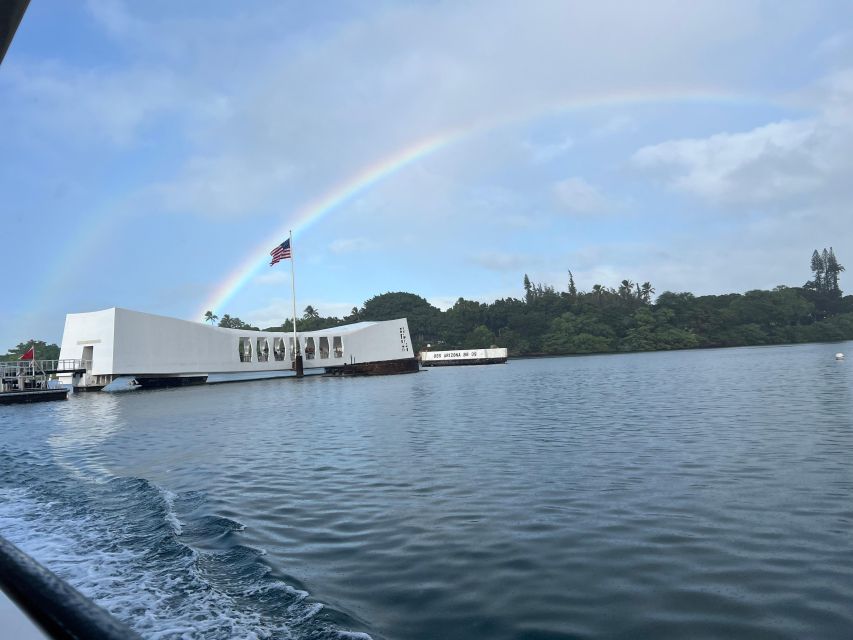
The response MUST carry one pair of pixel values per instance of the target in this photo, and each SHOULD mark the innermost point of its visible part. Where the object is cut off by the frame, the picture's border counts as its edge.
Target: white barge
(495, 355)
(159, 351)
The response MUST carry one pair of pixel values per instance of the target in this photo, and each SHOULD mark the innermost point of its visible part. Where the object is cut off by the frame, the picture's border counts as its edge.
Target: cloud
(838, 46)
(113, 16)
(541, 153)
(769, 164)
(500, 260)
(578, 196)
(399, 73)
(272, 277)
(518, 221)
(236, 112)
(223, 186)
(59, 102)
(278, 310)
(614, 126)
(349, 245)
(774, 161)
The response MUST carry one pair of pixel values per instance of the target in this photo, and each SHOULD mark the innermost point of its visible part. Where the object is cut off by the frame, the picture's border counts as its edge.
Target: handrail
(33, 367)
(61, 611)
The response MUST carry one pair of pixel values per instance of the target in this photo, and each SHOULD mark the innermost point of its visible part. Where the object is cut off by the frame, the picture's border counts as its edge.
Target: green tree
(528, 288)
(626, 290)
(43, 351)
(228, 322)
(818, 268)
(310, 313)
(832, 270)
(573, 290)
(425, 320)
(480, 338)
(210, 317)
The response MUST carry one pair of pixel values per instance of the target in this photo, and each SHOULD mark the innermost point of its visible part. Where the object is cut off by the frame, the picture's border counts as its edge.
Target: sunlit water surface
(699, 494)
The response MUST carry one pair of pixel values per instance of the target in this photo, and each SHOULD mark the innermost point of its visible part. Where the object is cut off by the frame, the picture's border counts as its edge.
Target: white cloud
(774, 161)
(518, 221)
(328, 105)
(769, 164)
(278, 310)
(86, 106)
(836, 46)
(614, 126)
(349, 245)
(579, 196)
(500, 260)
(114, 17)
(272, 277)
(541, 153)
(225, 185)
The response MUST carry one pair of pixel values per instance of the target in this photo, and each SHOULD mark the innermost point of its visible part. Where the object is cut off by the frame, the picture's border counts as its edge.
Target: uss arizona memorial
(161, 351)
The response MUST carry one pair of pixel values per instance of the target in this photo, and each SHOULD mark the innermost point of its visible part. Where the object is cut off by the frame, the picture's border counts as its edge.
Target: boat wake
(123, 544)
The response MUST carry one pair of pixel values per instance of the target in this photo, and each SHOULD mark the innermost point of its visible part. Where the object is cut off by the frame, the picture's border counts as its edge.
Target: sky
(152, 154)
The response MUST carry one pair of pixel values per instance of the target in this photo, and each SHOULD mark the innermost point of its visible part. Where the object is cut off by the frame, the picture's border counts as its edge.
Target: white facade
(123, 342)
(428, 357)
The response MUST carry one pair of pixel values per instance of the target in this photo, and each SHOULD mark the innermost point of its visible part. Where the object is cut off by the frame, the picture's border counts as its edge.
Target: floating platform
(32, 395)
(459, 357)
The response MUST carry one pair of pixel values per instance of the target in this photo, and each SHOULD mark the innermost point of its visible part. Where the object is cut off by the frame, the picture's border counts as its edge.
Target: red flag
(30, 354)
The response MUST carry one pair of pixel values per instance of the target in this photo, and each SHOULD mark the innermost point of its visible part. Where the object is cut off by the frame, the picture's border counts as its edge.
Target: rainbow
(316, 209)
(402, 158)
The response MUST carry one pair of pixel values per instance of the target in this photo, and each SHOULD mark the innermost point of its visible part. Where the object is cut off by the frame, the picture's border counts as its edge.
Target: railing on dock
(14, 368)
(23, 375)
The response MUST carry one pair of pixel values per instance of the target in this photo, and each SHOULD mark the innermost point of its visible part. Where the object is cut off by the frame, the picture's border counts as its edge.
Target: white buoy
(839, 356)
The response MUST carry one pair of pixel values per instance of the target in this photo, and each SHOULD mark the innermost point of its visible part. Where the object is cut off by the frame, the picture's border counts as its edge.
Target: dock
(25, 381)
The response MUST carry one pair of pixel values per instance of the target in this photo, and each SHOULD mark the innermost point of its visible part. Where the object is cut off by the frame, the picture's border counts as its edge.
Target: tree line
(545, 321)
(43, 351)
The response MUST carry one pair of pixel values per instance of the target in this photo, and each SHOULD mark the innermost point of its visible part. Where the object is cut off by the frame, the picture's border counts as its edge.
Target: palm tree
(210, 317)
(598, 290)
(626, 289)
(353, 315)
(310, 312)
(647, 292)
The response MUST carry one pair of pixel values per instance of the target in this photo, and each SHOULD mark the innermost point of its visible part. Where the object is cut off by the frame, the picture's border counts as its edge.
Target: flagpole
(297, 360)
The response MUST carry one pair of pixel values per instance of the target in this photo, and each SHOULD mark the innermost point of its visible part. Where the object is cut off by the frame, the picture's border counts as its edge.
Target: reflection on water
(76, 443)
(691, 494)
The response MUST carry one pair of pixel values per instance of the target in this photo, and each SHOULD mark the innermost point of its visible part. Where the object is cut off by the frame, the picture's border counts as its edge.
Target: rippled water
(691, 494)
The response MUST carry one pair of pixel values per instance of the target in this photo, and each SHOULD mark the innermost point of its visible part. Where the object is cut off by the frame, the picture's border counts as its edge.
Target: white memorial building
(161, 351)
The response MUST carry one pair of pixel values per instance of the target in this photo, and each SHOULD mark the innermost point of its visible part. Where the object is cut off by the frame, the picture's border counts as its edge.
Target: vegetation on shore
(545, 321)
(605, 319)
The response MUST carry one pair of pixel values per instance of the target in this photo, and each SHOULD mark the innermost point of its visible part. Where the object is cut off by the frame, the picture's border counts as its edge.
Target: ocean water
(700, 494)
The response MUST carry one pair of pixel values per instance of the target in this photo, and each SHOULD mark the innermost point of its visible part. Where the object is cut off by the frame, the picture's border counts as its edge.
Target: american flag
(281, 252)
